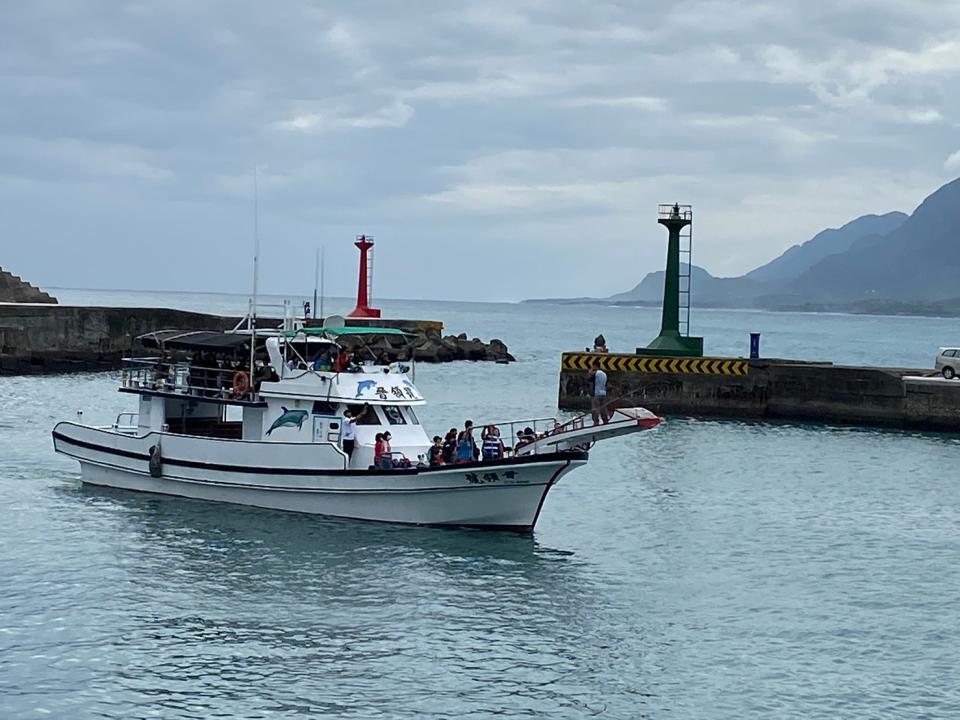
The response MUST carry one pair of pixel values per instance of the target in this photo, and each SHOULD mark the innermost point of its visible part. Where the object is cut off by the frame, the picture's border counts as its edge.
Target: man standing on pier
(598, 396)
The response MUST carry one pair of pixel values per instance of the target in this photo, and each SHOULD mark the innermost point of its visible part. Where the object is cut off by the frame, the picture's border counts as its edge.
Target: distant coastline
(939, 308)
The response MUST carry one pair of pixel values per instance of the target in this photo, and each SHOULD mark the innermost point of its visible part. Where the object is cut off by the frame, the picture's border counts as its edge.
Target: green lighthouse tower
(674, 338)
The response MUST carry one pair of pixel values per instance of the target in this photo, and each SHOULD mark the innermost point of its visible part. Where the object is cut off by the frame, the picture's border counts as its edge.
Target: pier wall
(48, 338)
(63, 338)
(775, 389)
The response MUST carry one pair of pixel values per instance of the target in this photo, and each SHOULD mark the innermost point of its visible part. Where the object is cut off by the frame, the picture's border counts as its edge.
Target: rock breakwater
(428, 345)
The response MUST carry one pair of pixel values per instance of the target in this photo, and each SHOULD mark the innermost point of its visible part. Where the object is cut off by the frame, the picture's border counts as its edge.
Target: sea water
(706, 569)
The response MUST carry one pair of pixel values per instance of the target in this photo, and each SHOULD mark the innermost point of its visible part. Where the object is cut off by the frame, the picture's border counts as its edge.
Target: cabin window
(369, 418)
(323, 408)
(411, 416)
(394, 415)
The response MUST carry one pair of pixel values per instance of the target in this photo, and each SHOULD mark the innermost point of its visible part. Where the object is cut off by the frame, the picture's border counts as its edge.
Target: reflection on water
(246, 597)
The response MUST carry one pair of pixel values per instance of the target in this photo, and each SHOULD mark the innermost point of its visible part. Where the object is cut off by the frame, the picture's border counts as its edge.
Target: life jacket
(491, 447)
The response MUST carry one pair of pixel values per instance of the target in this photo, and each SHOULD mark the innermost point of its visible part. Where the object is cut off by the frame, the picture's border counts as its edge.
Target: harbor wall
(771, 389)
(64, 338)
(50, 338)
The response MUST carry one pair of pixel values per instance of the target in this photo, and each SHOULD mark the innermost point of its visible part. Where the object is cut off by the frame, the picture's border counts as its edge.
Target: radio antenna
(316, 281)
(256, 264)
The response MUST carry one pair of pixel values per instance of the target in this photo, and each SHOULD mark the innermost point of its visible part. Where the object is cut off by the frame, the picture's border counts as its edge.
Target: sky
(496, 150)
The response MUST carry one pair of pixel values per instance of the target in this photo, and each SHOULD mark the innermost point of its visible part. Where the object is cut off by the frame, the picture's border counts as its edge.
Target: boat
(257, 417)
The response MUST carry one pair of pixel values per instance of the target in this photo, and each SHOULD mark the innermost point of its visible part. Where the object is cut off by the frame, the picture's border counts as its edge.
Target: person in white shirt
(598, 396)
(349, 434)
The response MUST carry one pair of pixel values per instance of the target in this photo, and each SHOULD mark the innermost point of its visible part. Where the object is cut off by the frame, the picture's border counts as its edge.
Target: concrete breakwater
(781, 389)
(49, 338)
(15, 289)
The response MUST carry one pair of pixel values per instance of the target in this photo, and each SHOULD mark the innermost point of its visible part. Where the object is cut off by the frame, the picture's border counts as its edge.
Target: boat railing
(127, 421)
(520, 433)
(514, 434)
(186, 378)
(256, 314)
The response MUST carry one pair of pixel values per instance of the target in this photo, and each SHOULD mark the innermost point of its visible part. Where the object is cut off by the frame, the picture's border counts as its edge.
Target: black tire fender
(155, 462)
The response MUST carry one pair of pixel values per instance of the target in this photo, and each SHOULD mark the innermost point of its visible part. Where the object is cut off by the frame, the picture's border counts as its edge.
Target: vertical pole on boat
(256, 262)
(322, 278)
(317, 312)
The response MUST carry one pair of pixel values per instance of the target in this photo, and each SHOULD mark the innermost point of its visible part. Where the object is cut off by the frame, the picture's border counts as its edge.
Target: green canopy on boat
(344, 330)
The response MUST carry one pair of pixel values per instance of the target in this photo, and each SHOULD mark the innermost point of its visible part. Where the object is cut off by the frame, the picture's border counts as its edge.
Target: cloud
(952, 162)
(637, 102)
(393, 115)
(525, 126)
(926, 116)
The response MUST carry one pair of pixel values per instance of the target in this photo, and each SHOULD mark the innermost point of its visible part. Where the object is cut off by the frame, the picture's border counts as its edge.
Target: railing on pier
(665, 211)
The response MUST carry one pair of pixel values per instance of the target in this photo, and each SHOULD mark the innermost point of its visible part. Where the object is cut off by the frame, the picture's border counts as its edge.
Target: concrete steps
(15, 289)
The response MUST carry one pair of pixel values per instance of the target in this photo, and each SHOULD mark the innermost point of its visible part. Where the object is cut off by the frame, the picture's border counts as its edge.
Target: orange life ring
(241, 384)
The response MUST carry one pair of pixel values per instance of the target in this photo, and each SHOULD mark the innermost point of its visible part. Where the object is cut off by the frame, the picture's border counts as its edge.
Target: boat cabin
(301, 389)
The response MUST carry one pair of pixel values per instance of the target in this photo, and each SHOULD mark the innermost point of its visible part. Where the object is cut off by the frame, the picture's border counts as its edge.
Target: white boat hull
(502, 495)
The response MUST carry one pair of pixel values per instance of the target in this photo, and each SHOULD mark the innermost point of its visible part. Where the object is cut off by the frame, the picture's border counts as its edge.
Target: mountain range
(873, 261)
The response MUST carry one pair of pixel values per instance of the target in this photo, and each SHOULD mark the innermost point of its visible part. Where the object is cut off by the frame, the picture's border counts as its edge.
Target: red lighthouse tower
(365, 281)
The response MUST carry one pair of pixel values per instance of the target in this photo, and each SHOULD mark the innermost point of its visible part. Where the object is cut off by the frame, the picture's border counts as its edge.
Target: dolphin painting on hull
(364, 385)
(289, 417)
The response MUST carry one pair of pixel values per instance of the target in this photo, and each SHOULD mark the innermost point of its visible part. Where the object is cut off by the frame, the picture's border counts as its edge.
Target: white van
(948, 362)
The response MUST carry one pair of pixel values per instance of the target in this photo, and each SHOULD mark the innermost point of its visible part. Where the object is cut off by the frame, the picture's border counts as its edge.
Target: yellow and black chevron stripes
(643, 364)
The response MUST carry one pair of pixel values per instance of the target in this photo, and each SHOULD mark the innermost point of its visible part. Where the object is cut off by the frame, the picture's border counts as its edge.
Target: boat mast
(256, 262)
(316, 276)
(322, 293)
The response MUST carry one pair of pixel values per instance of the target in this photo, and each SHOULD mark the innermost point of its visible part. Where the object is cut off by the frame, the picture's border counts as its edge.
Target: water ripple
(710, 569)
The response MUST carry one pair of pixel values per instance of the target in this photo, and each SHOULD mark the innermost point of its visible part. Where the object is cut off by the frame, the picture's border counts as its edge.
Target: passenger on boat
(349, 435)
(221, 384)
(324, 360)
(492, 444)
(210, 372)
(351, 364)
(340, 361)
(160, 374)
(262, 373)
(521, 441)
(378, 449)
(296, 363)
(524, 437)
(467, 449)
(194, 376)
(386, 455)
(435, 454)
(450, 446)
